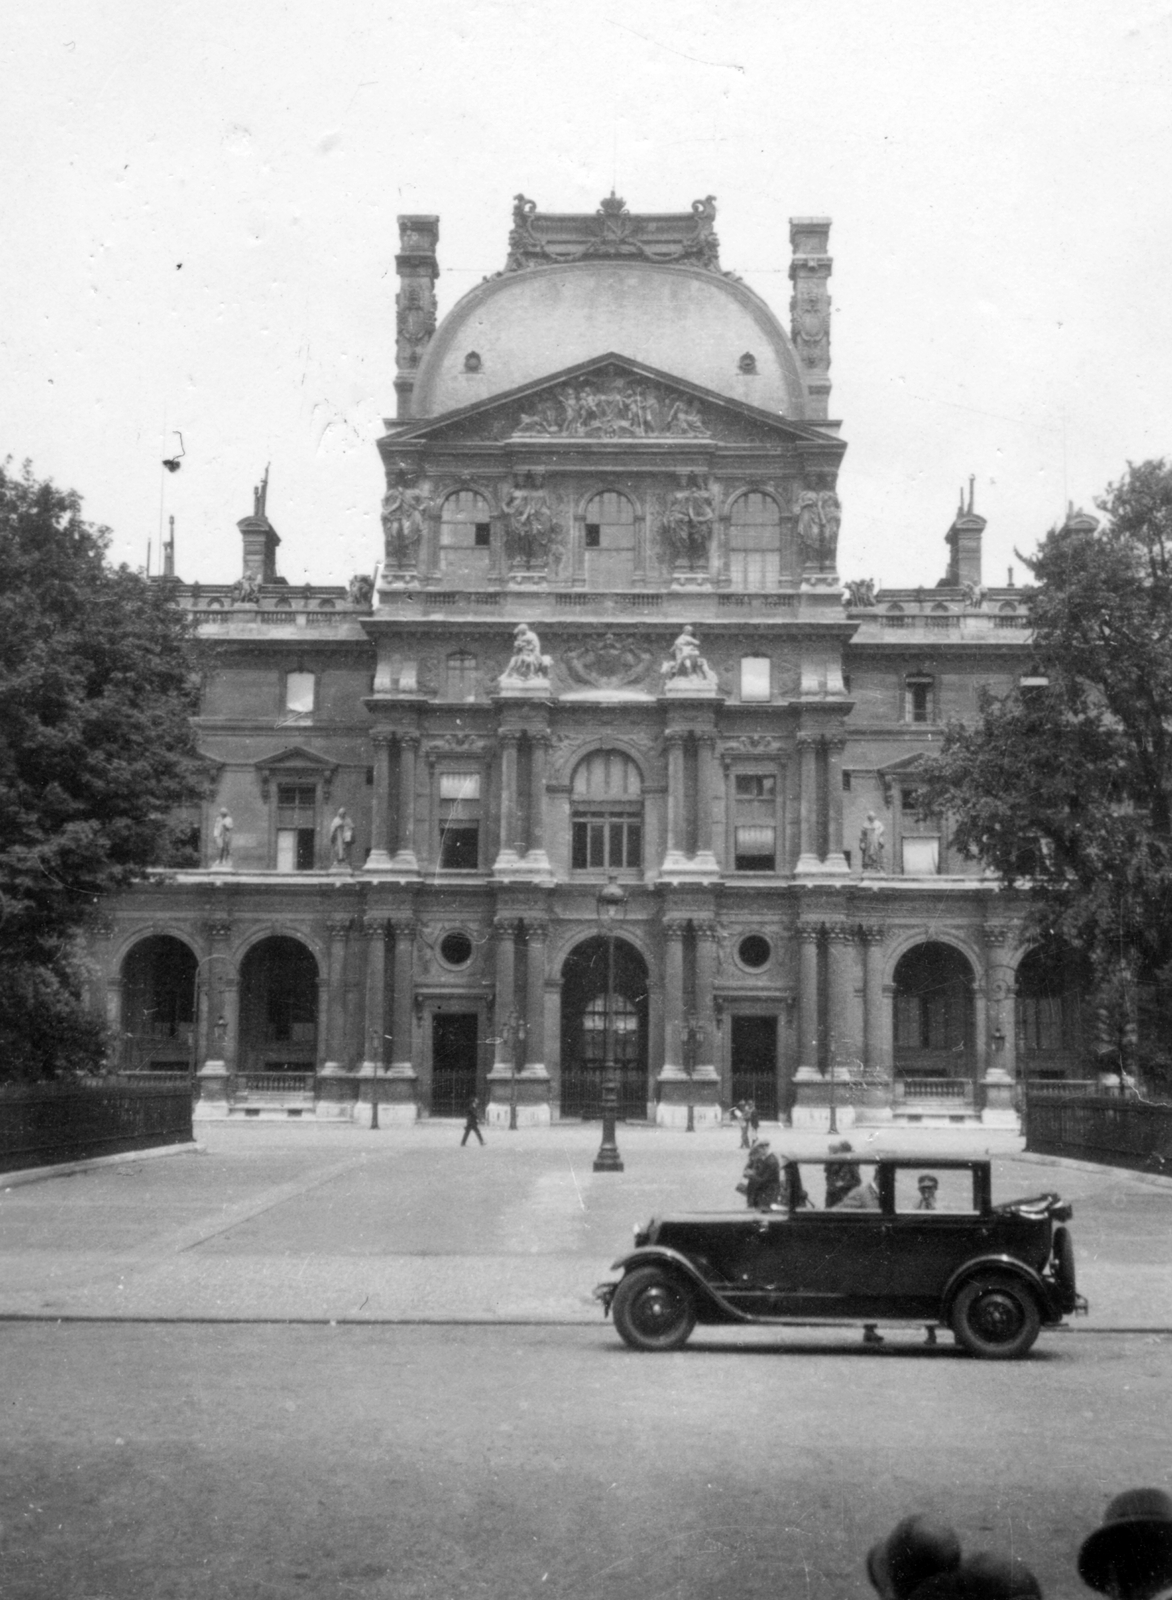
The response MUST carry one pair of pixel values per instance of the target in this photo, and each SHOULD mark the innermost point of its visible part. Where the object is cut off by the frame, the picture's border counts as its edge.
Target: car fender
(661, 1256)
(1007, 1265)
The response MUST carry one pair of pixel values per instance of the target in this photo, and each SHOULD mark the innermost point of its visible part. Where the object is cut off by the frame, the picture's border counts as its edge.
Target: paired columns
(518, 855)
(518, 1081)
(820, 847)
(690, 856)
(404, 859)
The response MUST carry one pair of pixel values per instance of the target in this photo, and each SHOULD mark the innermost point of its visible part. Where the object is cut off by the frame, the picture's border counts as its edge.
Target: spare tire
(1064, 1269)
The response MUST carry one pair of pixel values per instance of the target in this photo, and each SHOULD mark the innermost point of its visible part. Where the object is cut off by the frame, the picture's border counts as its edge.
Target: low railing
(959, 1090)
(276, 1082)
(1110, 1129)
(1061, 1088)
(42, 1124)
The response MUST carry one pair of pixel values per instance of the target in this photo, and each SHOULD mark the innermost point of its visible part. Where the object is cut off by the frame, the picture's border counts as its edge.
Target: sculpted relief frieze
(612, 406)
(611, 662)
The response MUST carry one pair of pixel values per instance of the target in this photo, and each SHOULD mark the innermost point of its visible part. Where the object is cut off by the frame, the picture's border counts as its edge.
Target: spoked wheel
(653, 1310)
(996, 1318)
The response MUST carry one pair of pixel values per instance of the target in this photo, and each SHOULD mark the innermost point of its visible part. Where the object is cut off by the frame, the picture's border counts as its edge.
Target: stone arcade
(605, 636)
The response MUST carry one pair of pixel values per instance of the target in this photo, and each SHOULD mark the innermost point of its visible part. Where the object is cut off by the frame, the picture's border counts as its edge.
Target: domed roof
(647, 287)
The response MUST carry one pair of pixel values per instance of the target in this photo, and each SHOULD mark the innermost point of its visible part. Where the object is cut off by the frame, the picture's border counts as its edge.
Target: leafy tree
(1065, 787)
(97, 691)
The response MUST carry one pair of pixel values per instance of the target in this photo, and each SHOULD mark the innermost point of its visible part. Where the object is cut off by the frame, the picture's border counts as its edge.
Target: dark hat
(913, 1551)
(983, 1576)
(927, 1181)
(1135, 1536)
(841, 1148)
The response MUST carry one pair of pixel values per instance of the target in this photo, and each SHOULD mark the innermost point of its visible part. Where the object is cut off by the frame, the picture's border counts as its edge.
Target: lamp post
(692, 1030)
(612, 902)
(830, 1083)
(514, 1032)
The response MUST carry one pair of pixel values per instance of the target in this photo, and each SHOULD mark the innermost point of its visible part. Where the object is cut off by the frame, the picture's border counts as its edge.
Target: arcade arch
(278, 1006)
(584, 1029)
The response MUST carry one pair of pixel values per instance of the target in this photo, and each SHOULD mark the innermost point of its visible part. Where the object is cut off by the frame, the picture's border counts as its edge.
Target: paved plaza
(299, 1222)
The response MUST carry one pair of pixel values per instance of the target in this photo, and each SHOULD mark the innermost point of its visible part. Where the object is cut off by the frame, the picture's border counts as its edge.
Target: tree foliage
(1065, 787)
(97, 690)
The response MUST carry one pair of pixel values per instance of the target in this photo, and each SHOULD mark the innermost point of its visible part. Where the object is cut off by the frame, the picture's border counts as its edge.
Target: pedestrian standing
(472, 1121)
(754, 1119)
(741, 1114)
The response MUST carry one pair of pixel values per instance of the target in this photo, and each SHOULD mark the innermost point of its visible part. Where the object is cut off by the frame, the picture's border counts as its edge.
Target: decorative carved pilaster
(334, 1011)
(403, 930)
(807, 745)
(809, 935)
(536, 933)
(506, 931)
(380, 742)
(415, 303)
(508, 852)
(374, 1049)
(809, 272)
(674, 929)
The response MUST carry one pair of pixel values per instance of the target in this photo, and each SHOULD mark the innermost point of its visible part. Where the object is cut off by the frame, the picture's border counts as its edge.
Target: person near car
(918, 1548)
(1129, 1556)
(761, 1180)
(472, 1120)
(841, 1176)
(863, 1197)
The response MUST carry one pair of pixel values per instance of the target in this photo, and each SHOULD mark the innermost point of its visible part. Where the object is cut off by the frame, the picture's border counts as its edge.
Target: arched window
(461, 676)
(606, 798)
(465, 536)
(934, 1025)
(609, 541)
(754, 543)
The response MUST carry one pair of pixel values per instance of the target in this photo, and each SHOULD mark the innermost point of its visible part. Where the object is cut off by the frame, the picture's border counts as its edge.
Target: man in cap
(761, 1179)
(841, 1176)
(1129, 1556)
(927, 1185)
(916, 1549)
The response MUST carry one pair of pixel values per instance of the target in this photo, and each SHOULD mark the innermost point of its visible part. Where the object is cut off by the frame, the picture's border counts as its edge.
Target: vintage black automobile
(922, 1243)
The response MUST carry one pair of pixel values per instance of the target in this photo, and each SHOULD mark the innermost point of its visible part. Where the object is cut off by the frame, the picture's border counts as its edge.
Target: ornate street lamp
(692, 1030)
(612, 903)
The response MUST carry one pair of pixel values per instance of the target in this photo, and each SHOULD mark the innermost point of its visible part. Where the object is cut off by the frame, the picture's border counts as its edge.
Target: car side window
(942, 1189)
(848, 1184)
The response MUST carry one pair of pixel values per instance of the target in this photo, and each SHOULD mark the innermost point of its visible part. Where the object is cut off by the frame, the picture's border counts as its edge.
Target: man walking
(472, 1121)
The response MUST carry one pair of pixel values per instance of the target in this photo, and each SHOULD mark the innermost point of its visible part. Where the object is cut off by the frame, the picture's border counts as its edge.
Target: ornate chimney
(809, 307)
(964, 544)
(418, 269)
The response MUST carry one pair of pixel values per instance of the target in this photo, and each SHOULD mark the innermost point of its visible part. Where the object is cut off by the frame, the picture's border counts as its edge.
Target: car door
(924, 1247)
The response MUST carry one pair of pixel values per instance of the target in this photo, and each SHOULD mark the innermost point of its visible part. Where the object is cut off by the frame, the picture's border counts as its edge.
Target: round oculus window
(456, 949)
(754, 952)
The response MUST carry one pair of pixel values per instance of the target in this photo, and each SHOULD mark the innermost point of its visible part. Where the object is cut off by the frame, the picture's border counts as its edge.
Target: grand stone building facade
(605, 638)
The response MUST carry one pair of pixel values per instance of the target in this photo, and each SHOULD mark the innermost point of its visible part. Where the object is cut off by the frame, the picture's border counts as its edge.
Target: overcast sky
(198, 234)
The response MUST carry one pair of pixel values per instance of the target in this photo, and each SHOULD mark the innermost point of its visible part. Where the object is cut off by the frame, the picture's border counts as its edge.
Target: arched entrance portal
(934, 1014)
(278, 1007)
(158, 1005)
(584, 1029)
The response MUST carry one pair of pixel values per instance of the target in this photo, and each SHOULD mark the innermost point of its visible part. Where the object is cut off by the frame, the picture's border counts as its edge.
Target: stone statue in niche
(686, 530)
(222, 837)
(529, 527)
(859, 592)
(404, 516)
(527, 664)
(360, 588)
(341, 838)
(819, 518)
(686, 660)
(871, 843)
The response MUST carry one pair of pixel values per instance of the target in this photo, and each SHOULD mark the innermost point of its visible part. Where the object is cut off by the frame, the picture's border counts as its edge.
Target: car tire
(653, 1310)
(996, 1318)
(1064, 1275)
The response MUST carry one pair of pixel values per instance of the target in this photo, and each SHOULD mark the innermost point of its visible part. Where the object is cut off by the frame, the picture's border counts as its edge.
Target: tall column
(705, 798)
(835, 858)
(705, 1057)
(538, 762)
(877, 1087)
(335, 997)
(845, 1044)
(374, 1045)
(536, 934)
(215, 1052)
(502, 1087)
(405, 857)
(809, 938)
(379, 857)
(808, 804)
(999, 1053)
(403, 998)
(674, 929)
(676, 799)
(507, 855)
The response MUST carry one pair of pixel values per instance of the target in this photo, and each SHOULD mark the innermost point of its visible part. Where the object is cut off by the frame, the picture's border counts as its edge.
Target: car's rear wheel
(653, 1310)
(996, 1318)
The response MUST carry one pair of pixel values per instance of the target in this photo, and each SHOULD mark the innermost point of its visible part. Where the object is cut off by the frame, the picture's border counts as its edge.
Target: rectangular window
(299, 688)
(459, 819)
(593, 536)
(919, 699)
(606, 842)
(755, 825)
(921, 857)
(296, 827)
(483, 536)
(754, 677)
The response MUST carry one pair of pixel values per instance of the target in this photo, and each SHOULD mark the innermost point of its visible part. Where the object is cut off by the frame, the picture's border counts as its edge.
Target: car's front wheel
(996, 1318)
(653, 1310)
